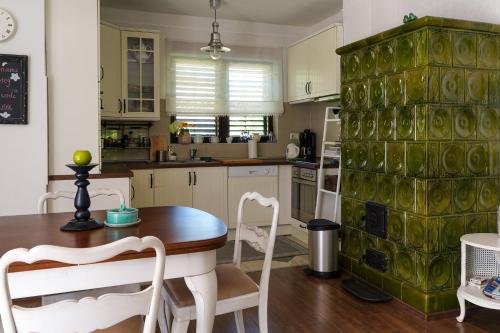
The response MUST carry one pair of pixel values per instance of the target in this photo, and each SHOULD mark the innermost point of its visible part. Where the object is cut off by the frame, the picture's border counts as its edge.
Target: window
(252, 124)
(199, 125)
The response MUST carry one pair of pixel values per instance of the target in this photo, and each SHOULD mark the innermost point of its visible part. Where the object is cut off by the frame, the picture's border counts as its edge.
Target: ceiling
(286, 12)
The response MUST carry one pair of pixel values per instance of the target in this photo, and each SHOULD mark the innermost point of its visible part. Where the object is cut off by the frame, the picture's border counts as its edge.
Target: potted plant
(180, 129)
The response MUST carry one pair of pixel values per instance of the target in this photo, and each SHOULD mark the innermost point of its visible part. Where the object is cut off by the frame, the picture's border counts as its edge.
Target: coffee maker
(307, 144)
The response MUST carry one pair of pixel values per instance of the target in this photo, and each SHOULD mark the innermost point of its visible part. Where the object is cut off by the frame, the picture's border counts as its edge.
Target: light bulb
(215, 55)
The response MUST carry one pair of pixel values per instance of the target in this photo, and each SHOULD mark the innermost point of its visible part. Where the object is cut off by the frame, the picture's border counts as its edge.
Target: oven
(304, 186)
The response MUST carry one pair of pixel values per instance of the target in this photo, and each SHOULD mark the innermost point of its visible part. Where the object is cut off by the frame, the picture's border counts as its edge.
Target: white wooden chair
(89, 313)
(71, 195)
(235, 289)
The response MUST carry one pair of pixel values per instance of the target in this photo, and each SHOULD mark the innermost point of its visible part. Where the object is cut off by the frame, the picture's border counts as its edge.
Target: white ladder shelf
(327, 153)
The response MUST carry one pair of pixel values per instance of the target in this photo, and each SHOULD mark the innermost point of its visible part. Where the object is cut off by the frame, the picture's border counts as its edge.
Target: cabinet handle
(189, 182)
(102, 74)
(150, 180)
(120, 105)
(133, 192)
(305, 88)
(310, 85)
(194, 178)
(124, 105)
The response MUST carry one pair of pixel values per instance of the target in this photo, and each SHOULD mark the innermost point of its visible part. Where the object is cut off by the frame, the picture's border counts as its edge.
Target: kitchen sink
(187, 161)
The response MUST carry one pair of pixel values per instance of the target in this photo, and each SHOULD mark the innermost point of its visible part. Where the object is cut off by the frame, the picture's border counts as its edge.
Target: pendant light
(215, 47)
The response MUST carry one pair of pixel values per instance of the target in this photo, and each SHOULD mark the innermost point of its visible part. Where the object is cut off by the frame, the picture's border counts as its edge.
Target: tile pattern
(420, 134)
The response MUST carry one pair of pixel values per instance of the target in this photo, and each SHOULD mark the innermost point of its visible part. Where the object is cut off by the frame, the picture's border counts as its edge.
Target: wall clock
(7, 25)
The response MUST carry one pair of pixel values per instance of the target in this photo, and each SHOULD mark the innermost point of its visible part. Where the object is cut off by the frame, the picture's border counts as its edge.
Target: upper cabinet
(314, 67)
(130, 68)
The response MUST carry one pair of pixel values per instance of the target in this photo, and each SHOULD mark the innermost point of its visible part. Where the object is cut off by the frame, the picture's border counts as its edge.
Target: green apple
(82, 157)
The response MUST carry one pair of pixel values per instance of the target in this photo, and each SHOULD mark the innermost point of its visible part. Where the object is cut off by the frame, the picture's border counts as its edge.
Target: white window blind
(252, 124)
(199, 125)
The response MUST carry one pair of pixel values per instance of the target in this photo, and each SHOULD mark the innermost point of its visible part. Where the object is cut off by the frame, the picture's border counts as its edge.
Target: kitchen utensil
(214, 139)
(161, 155)
(292, 151)
(229, 139)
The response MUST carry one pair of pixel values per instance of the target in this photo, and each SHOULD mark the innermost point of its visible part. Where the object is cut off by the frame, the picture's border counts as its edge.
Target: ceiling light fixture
(215, 47)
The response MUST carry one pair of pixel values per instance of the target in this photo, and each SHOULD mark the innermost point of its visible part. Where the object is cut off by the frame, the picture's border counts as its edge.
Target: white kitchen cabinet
(142, 188)
(111, 78)
(314, 67)
(173, 187)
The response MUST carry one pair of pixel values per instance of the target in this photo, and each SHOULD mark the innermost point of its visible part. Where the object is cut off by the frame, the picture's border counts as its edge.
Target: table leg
(204, 289)
(461, 301)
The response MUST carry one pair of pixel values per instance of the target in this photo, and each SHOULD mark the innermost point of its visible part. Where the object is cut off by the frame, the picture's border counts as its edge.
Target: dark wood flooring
(300, 304)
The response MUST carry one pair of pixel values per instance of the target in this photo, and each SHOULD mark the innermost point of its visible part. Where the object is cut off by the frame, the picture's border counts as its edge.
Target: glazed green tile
(422, 233)
(464, 123)
(386, 187)
(374, 277)
(452, 159)
(416, 161)
(477, 223)
(476, 87)
(347, 211)
(452, 85)
(345, 262)
(343, 69)
(434, 85)
(406, 264)
(358, 268)
(395, 158)
(376, 151)
(354, 125)
(368, 187)
(353, 241)
(464, 49)
(449, 299)
(464, 195)
(420, 197)
(493, 148)
(354, 183)
(353, 67)
(361, 95)
(405, 194)
(369, 125)
(456, 276)
(359, 214)
(405, 123)
(487, 194)
(477, 159)
(405, 52)
(421, 122)
(416, 86)
(439, 123)
(434, 272)
(346, 191)
(347, 97)
(389, 248)
(392, 286)
(439, 197)
(368, 62)
(421, 47)
(349, 155)
(452, 228)
(487, 123)
(439, 47)
(487, 51)
(492, 222)
(377, 92)
(344, 125)
(370, 241)
(385, 58)
(362, 156)
(386, 124)
(395, 91)
(425, 302)
(493, 88)
(344, 230)
(396, 226)
(433, 160)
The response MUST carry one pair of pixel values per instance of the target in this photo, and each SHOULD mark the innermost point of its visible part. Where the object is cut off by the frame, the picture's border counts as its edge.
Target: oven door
(296, 198)
(303, 199)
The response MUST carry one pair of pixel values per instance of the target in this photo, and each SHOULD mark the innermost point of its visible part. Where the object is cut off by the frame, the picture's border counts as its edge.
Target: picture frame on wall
(13, 89)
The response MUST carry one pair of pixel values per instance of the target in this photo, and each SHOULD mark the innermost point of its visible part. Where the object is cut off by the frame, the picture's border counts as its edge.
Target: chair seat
(231, 282)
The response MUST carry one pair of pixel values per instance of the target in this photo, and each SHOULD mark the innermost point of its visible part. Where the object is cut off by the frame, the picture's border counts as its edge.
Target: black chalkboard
(13, 89)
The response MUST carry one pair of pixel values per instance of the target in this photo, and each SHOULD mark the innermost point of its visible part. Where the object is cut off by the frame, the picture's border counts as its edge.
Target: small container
(214, 139)
(323, 242)
(122, 216)
(229, 139)
(197, 139)
(161, 156)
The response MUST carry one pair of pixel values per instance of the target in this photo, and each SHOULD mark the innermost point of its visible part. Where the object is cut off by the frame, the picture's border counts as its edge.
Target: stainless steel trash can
(323, 248)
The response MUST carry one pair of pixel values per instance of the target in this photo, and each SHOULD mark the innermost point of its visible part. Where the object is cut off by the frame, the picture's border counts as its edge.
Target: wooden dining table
(190, 236)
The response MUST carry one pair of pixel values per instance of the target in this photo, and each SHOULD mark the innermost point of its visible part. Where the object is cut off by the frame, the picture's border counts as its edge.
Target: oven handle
(304, 182)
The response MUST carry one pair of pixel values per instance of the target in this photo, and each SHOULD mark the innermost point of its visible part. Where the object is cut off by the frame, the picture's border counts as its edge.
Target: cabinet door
(173, 187)
(142, 192)
(140, 74)
(324, 63)
(210, 190)
(253, 213)
(297, 72)
(111, 78)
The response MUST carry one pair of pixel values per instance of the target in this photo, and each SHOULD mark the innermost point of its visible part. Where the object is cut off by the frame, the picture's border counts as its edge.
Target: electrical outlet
(294, 136)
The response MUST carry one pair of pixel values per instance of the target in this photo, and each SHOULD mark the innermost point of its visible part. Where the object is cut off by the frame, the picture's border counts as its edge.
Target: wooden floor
(300, 304)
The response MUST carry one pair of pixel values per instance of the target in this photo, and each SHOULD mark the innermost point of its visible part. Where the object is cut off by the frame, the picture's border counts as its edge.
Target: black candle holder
(82, 220)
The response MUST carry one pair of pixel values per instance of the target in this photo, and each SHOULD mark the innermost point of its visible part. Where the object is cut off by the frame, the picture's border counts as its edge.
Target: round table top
(489, 241)
(181, 229)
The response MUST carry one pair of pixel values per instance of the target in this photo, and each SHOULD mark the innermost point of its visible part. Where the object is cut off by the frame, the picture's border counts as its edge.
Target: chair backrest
(257, 238)
(89, 313)
(71, 195)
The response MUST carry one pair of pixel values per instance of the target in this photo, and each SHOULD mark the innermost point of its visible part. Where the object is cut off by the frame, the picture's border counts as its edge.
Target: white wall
(23, 148)
(73, 73)
(363, 18)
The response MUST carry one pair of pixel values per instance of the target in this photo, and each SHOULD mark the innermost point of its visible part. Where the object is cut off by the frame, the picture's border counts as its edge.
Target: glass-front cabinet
(140, 74)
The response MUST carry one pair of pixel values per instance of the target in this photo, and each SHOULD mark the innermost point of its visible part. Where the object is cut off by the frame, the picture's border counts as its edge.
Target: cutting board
(158, 142)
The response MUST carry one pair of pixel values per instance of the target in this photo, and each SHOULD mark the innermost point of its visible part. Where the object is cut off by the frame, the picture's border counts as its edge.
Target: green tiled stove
(420, 135)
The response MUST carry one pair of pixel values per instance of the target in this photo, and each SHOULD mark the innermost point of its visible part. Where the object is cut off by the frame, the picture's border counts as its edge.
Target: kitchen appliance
(304, 184)
(292, 151)
(307, 143)
(161, 155)
(323, 242)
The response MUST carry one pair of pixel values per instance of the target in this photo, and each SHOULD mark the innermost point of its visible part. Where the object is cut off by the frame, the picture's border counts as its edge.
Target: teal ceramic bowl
(122, 216)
